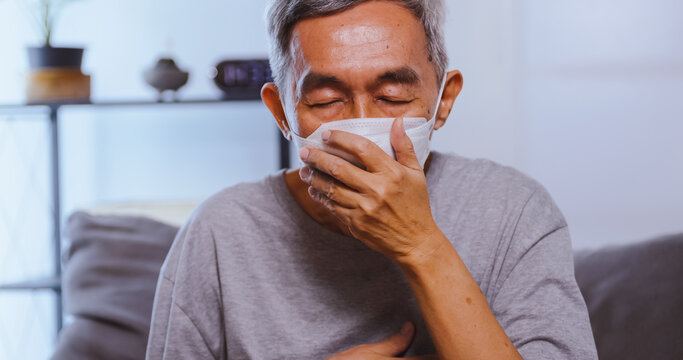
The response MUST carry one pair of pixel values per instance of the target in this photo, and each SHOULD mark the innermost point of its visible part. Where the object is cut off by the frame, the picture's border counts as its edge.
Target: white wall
(603, 111)
(484, 43)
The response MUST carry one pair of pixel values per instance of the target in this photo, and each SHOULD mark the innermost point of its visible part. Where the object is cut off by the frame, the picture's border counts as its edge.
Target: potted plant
(44, 13)
(55, 72)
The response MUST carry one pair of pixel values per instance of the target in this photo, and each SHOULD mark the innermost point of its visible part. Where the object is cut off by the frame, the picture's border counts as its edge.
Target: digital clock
(241, 79)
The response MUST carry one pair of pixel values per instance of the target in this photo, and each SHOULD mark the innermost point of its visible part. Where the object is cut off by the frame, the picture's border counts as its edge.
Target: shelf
(49, 283)
(52, 113)
(125, 103)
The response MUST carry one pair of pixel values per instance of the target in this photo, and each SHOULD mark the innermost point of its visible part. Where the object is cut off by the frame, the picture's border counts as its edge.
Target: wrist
(424, 254)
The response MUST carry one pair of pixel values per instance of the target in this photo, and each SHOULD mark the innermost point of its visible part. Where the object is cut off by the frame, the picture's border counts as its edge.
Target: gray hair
(283, 15)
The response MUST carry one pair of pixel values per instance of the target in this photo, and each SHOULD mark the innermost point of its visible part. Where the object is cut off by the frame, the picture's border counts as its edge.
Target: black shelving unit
(53, 282)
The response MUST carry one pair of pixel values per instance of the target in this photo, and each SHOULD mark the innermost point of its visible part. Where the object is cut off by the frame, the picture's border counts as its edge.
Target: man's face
(369, 61)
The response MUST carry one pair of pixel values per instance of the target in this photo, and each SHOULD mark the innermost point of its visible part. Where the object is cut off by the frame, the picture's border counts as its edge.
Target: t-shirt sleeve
(538, 302)
(187, 313)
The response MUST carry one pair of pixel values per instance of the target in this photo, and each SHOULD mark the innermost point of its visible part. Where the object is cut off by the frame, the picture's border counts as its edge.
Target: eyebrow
(314, 80)
(402, 75)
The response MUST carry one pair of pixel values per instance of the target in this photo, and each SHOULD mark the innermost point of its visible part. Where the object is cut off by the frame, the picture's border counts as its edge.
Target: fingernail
(303, 154)
(405, 329)
(326, 135)
(305, 172)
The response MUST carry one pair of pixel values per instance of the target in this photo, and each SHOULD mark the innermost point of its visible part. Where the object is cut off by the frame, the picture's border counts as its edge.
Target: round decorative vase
(166, 76)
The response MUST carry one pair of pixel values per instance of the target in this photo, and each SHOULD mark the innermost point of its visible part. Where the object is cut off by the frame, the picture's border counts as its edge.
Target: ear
(450, 93)
(270, 96)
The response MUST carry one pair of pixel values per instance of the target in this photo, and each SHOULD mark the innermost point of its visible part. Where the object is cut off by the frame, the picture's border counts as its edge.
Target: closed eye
(322, 105)
(395, 102)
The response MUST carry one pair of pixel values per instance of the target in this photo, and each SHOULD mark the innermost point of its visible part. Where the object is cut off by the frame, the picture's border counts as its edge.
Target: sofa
(634, 292)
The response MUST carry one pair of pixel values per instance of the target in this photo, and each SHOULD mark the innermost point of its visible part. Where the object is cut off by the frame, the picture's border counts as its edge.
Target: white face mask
(377, 130)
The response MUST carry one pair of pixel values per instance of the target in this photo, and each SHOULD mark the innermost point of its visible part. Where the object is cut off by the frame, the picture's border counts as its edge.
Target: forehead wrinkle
(359, 34)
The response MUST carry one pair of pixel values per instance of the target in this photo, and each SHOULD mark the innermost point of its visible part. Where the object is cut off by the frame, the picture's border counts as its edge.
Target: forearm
(455, 310)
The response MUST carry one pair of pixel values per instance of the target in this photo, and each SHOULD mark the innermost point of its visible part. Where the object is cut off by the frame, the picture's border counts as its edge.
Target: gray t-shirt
(251, 276)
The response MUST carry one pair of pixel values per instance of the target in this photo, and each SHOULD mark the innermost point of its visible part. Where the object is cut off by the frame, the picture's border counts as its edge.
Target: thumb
(395, 344)
(403, 146)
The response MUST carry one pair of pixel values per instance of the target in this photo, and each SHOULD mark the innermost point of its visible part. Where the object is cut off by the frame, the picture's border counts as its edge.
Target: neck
(299, 191)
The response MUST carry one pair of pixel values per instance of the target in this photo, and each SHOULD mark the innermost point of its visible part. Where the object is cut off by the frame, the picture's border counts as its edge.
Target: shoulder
(489, 182)
(234, 202)
(219, 216)
(535, 199)
(489, 190)
(479, 173)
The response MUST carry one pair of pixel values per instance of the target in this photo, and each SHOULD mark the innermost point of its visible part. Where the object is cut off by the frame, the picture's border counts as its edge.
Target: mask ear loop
(438, 98)
(438, 105)
(290, 113)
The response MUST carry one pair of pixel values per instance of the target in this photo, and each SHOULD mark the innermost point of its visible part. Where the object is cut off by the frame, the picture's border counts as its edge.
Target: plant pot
(55, 76)
(54, 57)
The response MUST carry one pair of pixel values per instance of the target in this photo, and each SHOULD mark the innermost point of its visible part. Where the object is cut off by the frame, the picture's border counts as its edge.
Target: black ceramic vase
(166, 76)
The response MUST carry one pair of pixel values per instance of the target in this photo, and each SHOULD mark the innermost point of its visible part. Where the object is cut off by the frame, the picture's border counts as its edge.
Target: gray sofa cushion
(94, 339)
(634, 295)
(110, 274)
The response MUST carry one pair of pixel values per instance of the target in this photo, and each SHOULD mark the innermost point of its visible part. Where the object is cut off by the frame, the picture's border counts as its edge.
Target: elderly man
(374, 231)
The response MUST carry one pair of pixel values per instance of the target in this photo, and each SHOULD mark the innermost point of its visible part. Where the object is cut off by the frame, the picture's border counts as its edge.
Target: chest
(301, 304)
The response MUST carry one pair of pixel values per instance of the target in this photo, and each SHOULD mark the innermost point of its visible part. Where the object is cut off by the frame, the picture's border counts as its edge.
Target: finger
(333, 189)
(403, 146)
(365, 151)
(395, 344)
(336, 167)
(337, 210)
